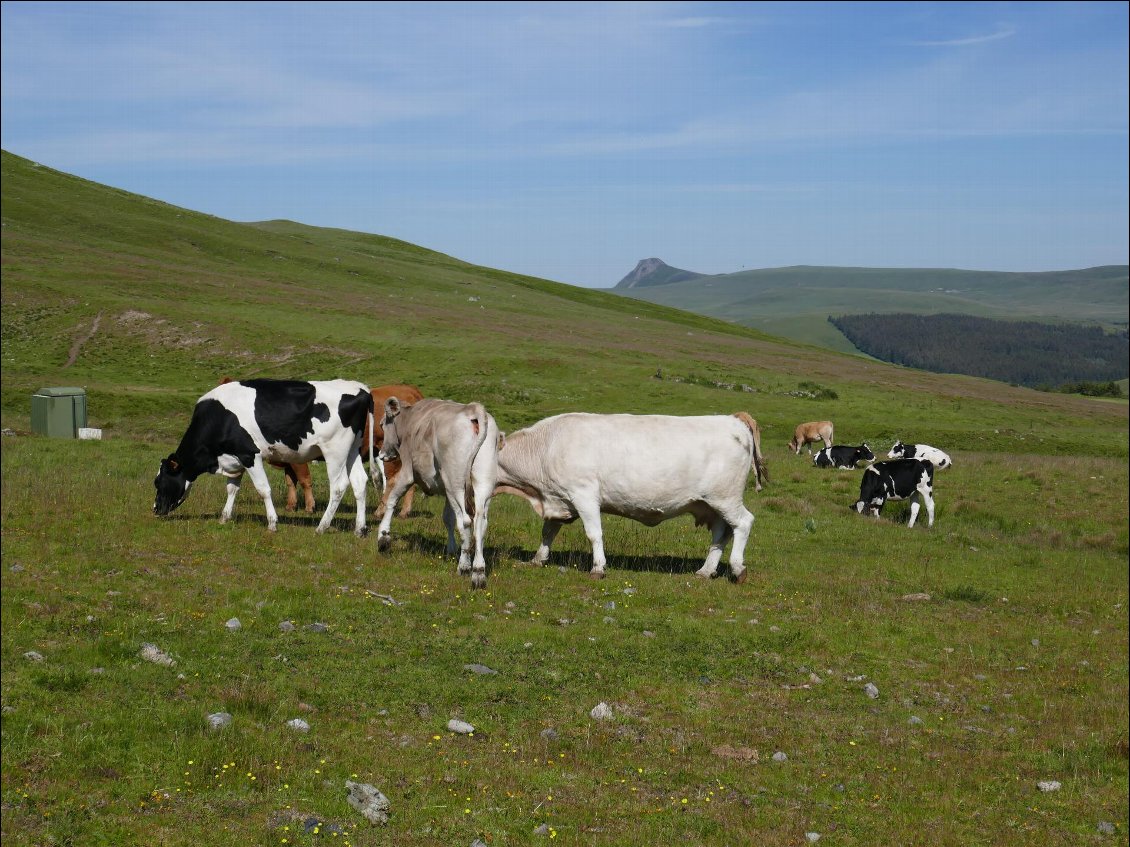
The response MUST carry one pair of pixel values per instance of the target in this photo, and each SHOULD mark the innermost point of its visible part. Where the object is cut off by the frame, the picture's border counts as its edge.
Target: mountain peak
(654, 271)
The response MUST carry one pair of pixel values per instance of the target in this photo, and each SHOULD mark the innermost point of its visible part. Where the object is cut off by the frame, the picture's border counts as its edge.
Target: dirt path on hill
(77, 346)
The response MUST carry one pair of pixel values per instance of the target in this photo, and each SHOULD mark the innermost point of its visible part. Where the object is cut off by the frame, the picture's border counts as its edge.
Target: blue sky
(569, 141)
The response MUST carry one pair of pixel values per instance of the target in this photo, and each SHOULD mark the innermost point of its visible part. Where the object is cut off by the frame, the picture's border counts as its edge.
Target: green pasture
(1015, 667)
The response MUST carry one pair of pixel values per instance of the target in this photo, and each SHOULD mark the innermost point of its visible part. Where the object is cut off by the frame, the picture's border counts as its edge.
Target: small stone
(609, 619)
(16, 568)
(33, 656)
(601, 712)
(629, 591)
(479, 669)
(233, 625)
(1106, 828)
(370, 802)
(870, 690)
(219, 720)
(317, 626)
(914, 720)
(298, 725)
(1035, 642)
(647, 633)
(97, 671)
(287, 626)
(812, 837)
(774, 628)
(610, 605)
(478, 842)
(153, 653)
(543, 829)
(459, 727)
(1046, 785)
(814, 679)
(780, 757)
(918, 596)
(549, 734)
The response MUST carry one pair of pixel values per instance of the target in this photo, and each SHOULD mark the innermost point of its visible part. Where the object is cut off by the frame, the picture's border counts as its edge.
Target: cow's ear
(172, 462)
(392, 407)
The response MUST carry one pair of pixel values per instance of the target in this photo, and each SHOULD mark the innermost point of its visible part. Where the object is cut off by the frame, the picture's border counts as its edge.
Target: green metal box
(58, 412)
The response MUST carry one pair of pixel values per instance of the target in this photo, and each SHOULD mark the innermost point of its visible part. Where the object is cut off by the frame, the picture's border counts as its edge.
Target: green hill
(148, 305)
(795, 302)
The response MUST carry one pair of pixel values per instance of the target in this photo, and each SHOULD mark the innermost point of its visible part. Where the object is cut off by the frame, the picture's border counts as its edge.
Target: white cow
(646, 467)
(445, 448)
(923, 452)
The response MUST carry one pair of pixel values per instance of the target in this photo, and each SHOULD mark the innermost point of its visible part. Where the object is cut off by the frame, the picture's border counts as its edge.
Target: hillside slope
(147, 306)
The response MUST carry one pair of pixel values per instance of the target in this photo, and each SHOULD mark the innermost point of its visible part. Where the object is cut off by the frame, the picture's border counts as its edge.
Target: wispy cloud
(1001, 33)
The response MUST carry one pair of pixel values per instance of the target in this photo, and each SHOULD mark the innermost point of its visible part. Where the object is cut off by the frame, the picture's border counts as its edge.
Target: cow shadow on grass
(579, 560)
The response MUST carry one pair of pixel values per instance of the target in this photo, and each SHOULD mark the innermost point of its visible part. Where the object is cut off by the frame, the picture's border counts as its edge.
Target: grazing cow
(897, 479)
(924, 452)
(238, 426)
(296, 475)
(844, 458)
(645, 467)
(445, 448)
(407, 395)
(809, 433)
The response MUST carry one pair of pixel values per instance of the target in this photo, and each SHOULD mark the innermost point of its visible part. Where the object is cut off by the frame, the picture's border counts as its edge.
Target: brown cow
(809, 433)
(407, 395)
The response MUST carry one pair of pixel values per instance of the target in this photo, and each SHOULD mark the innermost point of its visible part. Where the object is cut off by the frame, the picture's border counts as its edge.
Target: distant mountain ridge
(795, 302)
(648, 272)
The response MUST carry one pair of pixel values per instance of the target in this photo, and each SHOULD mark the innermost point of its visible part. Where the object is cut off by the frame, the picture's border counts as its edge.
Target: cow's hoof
(361, 532)
(596, 574)
(478, 580)
(739, 578)
(272, 527)
(384, 542)
(704, 574)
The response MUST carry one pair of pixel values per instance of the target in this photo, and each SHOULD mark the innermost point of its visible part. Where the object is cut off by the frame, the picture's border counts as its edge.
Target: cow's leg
(339, 473)
(929, 508)
(302, 474)
(914, 507)
(403, 480)
(359, 480)
(741, 530)
(484, 475)
(291, 487)
(233, 490)
(262, 484)
(549, 530)
(720, 533)
(450, 519)
(589, 512)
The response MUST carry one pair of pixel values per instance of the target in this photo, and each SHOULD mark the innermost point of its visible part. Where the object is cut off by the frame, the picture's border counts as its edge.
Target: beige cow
(809, 433)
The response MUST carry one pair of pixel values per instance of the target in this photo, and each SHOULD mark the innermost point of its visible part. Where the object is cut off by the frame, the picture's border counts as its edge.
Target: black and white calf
(844, 458)
(238, 426)
(899, 479)
(924, 452)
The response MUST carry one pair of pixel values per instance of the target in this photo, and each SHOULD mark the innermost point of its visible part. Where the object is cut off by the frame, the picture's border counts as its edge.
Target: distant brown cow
(299, 474)
(809, 433)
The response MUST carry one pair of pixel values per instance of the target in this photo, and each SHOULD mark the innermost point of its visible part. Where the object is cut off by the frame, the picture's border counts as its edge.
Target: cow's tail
(758, 466)
(371, 418)
(480, 421)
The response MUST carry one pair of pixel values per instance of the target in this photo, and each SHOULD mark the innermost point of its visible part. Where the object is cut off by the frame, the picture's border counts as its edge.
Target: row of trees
(1026, 353)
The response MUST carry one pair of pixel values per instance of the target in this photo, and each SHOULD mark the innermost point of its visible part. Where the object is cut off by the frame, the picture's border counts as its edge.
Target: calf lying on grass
(844, 458)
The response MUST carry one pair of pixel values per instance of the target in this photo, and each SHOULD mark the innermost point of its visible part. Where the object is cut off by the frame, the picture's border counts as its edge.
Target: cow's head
(897, 451)
(390, 449)
(172, 484)
(865, 454)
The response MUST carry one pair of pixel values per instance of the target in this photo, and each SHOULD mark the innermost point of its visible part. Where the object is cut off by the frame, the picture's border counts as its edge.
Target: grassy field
(1014, 671)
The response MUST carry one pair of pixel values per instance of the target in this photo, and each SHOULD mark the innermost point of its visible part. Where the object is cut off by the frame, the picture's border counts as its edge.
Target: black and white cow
(924, 452)
(844, 458)
(238, 426)
(898, 479)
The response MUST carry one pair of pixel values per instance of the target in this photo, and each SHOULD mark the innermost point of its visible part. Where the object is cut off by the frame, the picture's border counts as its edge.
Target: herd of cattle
(577, 465)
